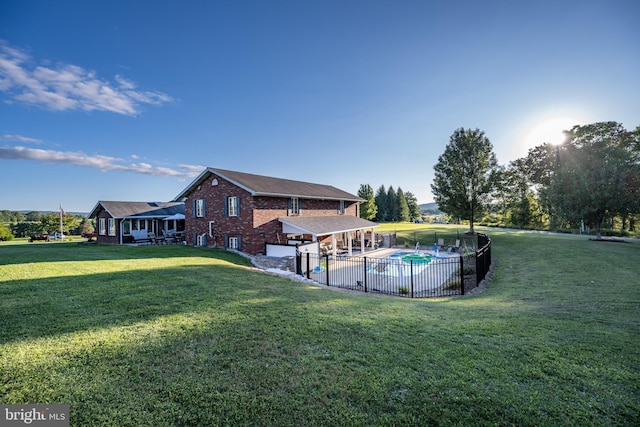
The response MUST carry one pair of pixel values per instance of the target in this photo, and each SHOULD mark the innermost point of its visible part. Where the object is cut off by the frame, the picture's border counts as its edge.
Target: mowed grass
(182, 336)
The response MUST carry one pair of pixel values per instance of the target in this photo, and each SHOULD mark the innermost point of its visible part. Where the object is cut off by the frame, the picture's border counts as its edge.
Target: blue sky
(128, 100)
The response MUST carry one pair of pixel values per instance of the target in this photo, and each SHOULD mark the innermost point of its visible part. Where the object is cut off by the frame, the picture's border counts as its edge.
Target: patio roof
(324, 225)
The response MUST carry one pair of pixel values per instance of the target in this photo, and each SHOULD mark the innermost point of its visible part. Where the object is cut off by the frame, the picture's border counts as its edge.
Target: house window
(201, 240)
(103, 226)
(233, 243)
(126, 227)
(232, 206)
(341, 207)
(199, 208)
(112, 227)
(294, 208)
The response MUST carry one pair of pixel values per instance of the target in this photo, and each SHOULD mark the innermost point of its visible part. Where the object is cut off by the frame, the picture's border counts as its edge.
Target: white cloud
(103, 163)
(193, 169)
(69, 87)
(20, 138)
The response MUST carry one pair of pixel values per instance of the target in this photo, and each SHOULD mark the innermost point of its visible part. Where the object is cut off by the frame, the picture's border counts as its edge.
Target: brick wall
(106, 239)
(257, 223)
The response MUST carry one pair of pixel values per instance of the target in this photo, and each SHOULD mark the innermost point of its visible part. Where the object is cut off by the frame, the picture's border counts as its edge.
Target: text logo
(34, 415)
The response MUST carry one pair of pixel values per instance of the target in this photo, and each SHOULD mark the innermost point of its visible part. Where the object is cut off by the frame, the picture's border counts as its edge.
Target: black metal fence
(483, 257)
(405, 273)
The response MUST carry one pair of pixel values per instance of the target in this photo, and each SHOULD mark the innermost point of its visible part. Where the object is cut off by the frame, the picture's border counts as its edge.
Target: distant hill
(48, 212)
(431, 208)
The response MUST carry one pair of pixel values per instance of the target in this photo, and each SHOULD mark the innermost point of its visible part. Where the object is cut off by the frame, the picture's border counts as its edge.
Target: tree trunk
(598, 220)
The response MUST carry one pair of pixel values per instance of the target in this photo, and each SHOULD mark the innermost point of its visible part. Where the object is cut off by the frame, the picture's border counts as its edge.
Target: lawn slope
(182, 336)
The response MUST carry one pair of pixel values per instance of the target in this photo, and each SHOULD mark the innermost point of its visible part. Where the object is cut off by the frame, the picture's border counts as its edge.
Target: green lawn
(172, 336)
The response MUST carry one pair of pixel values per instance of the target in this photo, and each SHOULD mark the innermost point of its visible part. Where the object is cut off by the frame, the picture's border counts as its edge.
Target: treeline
(388, 205)
(19, 224)
(591, 181)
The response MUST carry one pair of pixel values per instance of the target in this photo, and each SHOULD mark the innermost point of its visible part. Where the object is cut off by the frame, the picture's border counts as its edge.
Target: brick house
(121, 222)
(248, 212)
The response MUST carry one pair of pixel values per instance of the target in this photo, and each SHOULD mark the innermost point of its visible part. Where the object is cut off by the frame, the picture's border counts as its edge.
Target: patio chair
(456, 247)
(381, 267)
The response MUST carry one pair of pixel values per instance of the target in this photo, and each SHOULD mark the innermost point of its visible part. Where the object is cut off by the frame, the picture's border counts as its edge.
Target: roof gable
(260, 185)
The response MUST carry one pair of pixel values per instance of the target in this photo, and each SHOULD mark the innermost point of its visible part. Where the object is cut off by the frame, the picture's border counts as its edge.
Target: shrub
(5, 233)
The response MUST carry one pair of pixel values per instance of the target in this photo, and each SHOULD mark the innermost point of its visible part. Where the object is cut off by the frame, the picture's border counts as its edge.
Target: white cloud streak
(103, 163)
(20, 138)
(69, 87)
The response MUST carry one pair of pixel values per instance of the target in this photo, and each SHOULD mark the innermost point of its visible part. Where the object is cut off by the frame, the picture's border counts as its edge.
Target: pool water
(407, 257)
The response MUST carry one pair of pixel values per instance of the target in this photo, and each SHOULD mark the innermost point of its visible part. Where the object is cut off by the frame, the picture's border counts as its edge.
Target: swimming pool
(415, 257)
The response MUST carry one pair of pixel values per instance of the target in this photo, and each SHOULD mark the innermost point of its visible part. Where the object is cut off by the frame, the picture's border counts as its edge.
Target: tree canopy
(465, 175)
(595, 174)
(368, 209)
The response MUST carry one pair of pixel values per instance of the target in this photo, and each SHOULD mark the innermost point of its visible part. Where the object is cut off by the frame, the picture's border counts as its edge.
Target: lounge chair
(381, 267)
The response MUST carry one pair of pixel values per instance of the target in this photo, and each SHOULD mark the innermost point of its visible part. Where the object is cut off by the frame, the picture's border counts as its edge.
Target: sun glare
(549, 131)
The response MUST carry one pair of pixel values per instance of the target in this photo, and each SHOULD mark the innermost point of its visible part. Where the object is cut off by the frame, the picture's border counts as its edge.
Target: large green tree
(403, 206)
(414, 208)
(595, 166)
(465, 175)
(368, 209)
(392, 205)
(381, 203)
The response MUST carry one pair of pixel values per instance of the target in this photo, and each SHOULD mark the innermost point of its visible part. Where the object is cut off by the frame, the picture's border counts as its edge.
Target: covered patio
(334, 234)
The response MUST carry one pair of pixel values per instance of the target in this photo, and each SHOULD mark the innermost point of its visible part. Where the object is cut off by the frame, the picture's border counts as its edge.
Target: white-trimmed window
(126, 227)
(233, 242)
(112, 226)
(102, 226)
(294, 206)
(232, 206)
(199, 208)
(201, 240)
(341, 209)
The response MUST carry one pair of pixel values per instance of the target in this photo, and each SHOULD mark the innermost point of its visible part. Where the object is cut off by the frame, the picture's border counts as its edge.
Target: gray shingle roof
(323, 225)
(259, 185)
(138, 209)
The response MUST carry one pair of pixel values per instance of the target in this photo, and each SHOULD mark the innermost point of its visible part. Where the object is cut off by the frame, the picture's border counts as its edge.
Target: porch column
(350, 242)
(362, 236)
(373, 238)
(333, 245)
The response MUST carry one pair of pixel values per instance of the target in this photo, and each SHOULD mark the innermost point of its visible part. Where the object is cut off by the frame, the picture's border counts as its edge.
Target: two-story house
(243, 211)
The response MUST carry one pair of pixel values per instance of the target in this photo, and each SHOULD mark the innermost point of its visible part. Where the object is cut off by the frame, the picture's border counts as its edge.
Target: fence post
(461, 275)
(477, 256)
(326, 259)
(365, 274)
(299, 264)
(411, 278)
(308, 264)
